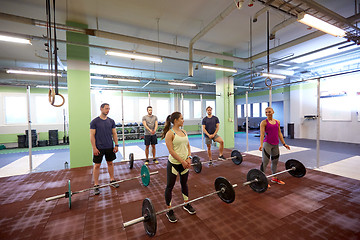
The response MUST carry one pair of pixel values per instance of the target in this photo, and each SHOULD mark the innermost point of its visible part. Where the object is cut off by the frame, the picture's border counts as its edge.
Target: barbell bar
(236, 157)
(258, 180)
(144, 175)
(223, 189)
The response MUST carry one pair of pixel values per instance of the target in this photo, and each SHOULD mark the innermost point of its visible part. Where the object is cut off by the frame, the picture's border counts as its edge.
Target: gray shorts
(209, 141)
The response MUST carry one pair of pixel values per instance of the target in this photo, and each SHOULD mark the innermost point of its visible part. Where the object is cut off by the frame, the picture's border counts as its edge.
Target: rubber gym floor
(318, 206)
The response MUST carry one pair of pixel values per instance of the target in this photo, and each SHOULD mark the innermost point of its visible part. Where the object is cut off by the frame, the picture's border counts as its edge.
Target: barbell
(236, 157)
(144, 175)
(223, 189)
(258, 180)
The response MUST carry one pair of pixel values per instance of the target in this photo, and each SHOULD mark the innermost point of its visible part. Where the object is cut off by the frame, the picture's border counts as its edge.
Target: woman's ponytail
(167, 127)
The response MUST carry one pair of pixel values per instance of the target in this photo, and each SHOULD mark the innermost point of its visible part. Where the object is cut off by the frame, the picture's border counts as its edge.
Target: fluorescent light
(122, 79)
(96, 77)
(134, 56)
(106, 86)
(283, 65)
(42, 86)
(14, 39)
(272, 75)
(225, 69)
(32, 73)
(182, 84)
(320, 25)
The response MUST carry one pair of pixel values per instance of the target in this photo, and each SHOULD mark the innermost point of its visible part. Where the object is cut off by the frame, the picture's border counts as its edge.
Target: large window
(264, 105)
(211, 103)
(186, 111)
(44, 112)
(256, 110)
(143, 104)
(197, 109)
(239, 114)
(129, 110)
(162, 109)
(15, 109)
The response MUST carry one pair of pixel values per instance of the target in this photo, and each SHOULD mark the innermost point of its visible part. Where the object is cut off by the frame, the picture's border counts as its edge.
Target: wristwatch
(190, 157)
(116, 145)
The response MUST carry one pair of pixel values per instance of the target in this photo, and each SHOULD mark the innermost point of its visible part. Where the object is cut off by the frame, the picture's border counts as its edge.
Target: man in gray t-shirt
(150, 123)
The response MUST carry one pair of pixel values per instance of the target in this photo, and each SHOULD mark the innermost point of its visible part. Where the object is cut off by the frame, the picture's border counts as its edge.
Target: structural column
(225, 104)
(78, 81)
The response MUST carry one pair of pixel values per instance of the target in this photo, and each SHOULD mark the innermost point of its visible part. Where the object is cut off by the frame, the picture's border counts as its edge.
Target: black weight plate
(300, 170)
(262, 184)
(149, 213)
(131, 160)
(196, 164)
(238, 160)
(228, 195)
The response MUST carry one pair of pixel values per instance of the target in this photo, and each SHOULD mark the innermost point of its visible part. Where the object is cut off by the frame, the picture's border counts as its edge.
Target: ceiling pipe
(281, 26)
(118, 37)
(206, 29)
(258, 13)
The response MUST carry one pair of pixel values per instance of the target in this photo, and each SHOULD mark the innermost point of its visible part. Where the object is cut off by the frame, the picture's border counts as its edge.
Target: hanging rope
(53, 79)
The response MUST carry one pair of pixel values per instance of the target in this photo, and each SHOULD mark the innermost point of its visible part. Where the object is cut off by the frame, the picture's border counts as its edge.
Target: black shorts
(150, 140)
(109, 155)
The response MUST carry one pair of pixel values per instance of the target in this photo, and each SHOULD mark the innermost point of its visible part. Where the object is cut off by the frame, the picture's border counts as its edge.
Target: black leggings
(172, 170)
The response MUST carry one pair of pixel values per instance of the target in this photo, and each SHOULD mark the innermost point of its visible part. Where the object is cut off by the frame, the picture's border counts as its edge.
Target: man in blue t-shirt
(102, 136)
(210, 125)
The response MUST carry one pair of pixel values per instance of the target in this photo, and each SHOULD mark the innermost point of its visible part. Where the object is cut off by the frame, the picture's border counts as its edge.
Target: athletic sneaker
(210, 162)
(189, 208)
(171, 216)
(146, 162)
(156, 161)
(96, 190)
(221, 157)
(276, 180)
(115, 185)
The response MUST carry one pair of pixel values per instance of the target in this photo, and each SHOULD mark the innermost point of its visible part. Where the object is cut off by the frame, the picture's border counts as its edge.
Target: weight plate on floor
(238, 157)
(227, 194)
(69, 194)
(145, 175)
(262, 184)
(131, 160)
(197, 164)
(149, 213)
(300, 170)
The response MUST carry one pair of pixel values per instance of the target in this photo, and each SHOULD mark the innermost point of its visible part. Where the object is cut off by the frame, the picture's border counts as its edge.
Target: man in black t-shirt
(102, 135)
(210, 126)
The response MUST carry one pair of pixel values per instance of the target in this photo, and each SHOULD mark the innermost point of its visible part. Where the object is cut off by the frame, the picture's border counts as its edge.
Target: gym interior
(60, 60)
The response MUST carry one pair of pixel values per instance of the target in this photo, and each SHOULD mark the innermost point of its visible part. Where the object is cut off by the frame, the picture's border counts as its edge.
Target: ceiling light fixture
(182, 84)
(32, 73)
(272, 75)
(134, 56)
(122, 79)
(225, 69)
(14, 39)
(320, 25)
(96, 77)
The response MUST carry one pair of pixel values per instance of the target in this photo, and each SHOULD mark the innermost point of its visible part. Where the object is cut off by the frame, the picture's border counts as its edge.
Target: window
(129, 110)
(186, 112)
(211, 103)
(197, 109)
(15, 109)
(143, 104)
(44, 112)
(239, 115)
(162, 109)
(256, 109)
(263, 106)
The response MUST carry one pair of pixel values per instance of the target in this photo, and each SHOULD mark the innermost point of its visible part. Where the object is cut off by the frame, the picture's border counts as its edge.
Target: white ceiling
(173, 22)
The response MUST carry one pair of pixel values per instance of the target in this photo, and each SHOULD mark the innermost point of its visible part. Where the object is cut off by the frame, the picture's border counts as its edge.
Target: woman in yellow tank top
(179, 161)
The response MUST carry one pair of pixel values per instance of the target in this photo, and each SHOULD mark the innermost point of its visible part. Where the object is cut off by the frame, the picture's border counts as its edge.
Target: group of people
(104, 141)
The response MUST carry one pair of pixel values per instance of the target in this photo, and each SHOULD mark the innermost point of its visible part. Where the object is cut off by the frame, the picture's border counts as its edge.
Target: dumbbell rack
(138, 132)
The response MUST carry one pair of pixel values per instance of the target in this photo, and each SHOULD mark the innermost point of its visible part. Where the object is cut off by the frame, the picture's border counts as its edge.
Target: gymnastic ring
(51, 96)
(268, 85)
(63, 101)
